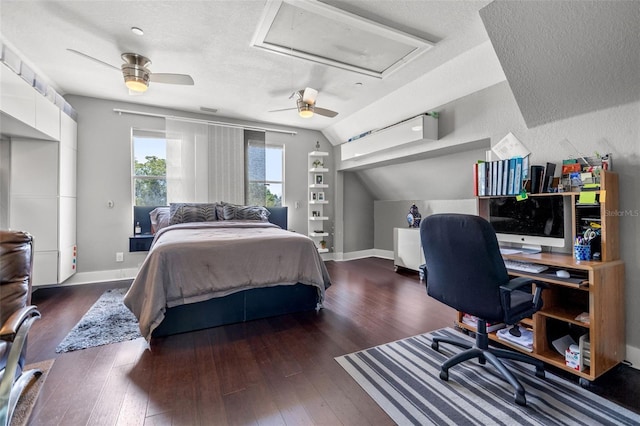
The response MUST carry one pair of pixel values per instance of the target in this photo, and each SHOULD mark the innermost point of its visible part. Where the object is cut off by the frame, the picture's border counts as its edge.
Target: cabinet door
(39, 217)
(45, 267)
(47, 117)
(407, 248)
(17, 98)
(34, 168)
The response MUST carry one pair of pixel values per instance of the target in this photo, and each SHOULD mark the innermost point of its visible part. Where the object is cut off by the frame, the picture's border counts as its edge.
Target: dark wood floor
(274, 371)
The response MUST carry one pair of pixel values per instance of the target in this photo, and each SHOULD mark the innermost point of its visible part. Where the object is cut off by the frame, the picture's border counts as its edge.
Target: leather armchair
(16, 318)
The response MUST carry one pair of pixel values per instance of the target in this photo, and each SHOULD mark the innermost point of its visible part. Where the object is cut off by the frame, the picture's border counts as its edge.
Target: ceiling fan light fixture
(136, 84)
(305, 110)
(136, 75)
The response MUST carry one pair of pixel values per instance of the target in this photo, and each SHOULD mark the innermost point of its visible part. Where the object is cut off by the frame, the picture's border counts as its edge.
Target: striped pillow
(252, 213)
(192, 212)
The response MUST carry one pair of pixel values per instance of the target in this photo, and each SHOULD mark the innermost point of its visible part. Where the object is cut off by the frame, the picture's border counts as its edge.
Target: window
(265, 174)
(149, 169)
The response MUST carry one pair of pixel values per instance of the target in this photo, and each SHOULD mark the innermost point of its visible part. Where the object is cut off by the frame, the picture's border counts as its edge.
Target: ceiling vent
(321, 33)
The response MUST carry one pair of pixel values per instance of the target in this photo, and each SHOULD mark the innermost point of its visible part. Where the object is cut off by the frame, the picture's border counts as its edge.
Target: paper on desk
(510, 147)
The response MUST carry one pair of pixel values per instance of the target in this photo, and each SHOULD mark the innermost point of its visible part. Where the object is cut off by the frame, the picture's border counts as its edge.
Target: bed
(203, 272)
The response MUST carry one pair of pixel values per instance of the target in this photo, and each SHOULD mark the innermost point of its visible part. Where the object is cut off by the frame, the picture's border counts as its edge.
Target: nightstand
(140, 242)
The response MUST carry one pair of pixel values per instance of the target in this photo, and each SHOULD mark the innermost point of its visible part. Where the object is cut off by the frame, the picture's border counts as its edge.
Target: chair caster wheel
(444, 375)
(435, 346)
(584, 383)
(521, 400)
(540, 373)
(482, 360)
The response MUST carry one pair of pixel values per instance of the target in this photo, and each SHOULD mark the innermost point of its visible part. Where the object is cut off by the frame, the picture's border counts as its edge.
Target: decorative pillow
(252, 213)
(159, 218)
(226, 211)
(192, 212)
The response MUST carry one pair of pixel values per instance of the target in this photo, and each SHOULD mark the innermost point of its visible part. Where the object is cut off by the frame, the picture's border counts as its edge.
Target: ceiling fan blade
(284, 109)
(172, 78)
(325, 112)
(309, 96)
(84, 55)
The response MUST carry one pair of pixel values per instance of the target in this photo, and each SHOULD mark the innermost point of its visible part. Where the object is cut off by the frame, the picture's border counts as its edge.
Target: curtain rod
(197, 120)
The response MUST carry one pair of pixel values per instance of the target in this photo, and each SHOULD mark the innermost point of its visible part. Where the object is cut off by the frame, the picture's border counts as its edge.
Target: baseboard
(101, 276)
(361, 254)
(633, 356)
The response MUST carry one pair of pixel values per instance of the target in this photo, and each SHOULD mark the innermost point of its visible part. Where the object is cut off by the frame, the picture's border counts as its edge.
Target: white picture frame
(318, 179)
(313, 196)
(320, 196)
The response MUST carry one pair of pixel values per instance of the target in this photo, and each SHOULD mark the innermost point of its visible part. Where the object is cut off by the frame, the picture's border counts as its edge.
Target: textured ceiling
(210, 40)
(567, 58)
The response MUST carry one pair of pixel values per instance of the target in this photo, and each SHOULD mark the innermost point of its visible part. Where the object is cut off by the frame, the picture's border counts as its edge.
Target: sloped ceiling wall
(565, 58)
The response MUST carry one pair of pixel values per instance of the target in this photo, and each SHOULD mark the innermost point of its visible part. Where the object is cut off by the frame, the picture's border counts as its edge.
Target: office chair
(465, 271)
(16, 318)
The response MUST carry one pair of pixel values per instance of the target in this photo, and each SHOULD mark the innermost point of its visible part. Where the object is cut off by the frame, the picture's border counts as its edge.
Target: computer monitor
(533, 223)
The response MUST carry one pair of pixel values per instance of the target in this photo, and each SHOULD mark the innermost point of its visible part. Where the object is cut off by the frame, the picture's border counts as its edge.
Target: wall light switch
(119, 256)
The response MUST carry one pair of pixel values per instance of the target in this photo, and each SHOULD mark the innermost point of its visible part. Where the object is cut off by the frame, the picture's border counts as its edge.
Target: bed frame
(242, 306)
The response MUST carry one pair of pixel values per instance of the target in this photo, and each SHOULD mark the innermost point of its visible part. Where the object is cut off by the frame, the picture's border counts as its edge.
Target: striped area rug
(403, 378)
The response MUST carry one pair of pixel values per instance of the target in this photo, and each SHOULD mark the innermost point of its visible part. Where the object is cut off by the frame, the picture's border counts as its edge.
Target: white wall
(104, 173)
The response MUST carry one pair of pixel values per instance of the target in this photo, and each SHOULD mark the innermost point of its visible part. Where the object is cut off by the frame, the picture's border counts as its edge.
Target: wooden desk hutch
(595, 288)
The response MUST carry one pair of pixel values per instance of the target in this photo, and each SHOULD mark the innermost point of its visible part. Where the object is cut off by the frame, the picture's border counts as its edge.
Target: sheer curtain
(205, 162)
(226, 164)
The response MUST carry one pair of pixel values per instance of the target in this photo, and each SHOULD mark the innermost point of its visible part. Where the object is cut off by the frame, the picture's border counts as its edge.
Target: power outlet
(119, 256)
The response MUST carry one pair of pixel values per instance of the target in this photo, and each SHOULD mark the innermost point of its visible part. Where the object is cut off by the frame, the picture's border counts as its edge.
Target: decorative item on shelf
(320, 196)
(314, 196)
(137, 230)
(319, 179)
(317, 163)
(323, 244)
(414, 217)
(317, 145)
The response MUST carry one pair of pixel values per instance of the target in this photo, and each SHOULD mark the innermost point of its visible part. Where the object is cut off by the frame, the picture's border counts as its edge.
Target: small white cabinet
(318, 200)
(407, 249)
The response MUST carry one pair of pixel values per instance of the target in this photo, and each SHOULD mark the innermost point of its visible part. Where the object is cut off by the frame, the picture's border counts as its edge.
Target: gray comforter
(192, 262)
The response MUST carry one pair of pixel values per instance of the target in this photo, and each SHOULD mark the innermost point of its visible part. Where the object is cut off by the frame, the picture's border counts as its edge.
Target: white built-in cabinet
(42, 173)
(317, 224)
(407, 249)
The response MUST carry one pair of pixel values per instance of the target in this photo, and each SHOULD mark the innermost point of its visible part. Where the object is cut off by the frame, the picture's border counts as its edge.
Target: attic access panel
(321, 33)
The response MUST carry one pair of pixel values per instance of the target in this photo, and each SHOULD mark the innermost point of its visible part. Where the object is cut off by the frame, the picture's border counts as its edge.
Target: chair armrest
(516, 284)
(12, 324)
(519, 282)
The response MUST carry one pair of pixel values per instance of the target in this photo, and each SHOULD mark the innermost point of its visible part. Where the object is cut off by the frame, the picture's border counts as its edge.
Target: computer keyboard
(517, 265)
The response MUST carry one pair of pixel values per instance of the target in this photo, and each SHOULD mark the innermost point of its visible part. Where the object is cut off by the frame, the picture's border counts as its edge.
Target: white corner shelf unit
(317, 200)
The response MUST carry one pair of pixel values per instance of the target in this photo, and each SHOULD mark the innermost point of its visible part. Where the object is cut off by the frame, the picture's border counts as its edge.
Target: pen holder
(582, 251)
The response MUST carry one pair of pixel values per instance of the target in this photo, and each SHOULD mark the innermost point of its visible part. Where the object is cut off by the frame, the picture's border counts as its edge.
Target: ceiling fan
(137, 74)
(306, 104)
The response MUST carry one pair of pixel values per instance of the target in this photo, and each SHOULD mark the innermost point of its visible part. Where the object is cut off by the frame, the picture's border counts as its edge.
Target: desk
(599, 293)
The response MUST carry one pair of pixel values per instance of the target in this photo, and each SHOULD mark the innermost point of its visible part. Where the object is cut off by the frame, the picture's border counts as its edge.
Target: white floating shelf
(318, 202)
(318, 234)
(318, 185)
(321, 250)
(319, 218)
(318, 154)
(318, 169)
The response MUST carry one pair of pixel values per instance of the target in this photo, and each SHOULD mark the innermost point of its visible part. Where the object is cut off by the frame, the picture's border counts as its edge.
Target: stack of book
(472, 321)
(501, 177)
